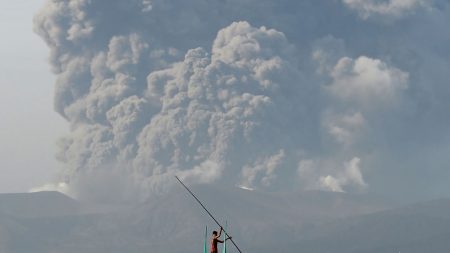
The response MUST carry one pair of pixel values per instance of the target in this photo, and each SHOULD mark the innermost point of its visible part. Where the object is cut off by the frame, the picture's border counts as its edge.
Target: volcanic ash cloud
(149, 93)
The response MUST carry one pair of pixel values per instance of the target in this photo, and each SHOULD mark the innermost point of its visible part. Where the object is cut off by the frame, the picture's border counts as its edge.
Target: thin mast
(210, 215)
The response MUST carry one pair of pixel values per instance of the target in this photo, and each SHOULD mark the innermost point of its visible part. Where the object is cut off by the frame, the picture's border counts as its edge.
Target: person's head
(215, 233)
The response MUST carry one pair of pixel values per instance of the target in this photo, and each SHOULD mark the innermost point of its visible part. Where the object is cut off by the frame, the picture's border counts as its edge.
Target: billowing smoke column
(157, 88)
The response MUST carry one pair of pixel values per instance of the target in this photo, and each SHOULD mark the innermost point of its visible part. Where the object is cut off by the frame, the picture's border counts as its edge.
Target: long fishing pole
(210, 215)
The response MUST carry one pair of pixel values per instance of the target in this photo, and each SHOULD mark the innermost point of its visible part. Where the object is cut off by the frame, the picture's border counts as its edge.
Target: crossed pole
(210, 215)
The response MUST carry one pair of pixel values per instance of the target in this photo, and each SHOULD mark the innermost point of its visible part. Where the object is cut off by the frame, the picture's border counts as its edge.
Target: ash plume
(259, 94)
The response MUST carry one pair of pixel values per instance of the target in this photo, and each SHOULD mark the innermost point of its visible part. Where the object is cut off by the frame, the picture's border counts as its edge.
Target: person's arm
(218, 240)
(220, 233)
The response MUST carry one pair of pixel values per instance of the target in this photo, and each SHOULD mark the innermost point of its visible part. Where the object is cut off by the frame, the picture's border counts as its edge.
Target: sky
(29, 125)
(343, 95)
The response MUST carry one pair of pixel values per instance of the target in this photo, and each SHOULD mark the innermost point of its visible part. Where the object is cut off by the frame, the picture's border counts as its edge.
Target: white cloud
(367, 81)
(332, 175)
(206, 172)
(59, 187)
(389, 8)
(345, 128)
(331, 183)
(147, 5)
(263, 171)
(326, 52)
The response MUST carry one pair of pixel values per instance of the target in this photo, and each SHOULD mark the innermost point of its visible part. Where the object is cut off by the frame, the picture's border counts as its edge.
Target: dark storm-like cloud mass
(347, 95)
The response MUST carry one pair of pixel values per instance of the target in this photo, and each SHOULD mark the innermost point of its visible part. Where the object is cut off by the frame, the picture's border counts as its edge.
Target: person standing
(216, 239)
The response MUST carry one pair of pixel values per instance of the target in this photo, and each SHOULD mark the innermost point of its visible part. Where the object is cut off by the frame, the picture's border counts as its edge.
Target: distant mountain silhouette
(38, 204)
(260, 222)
